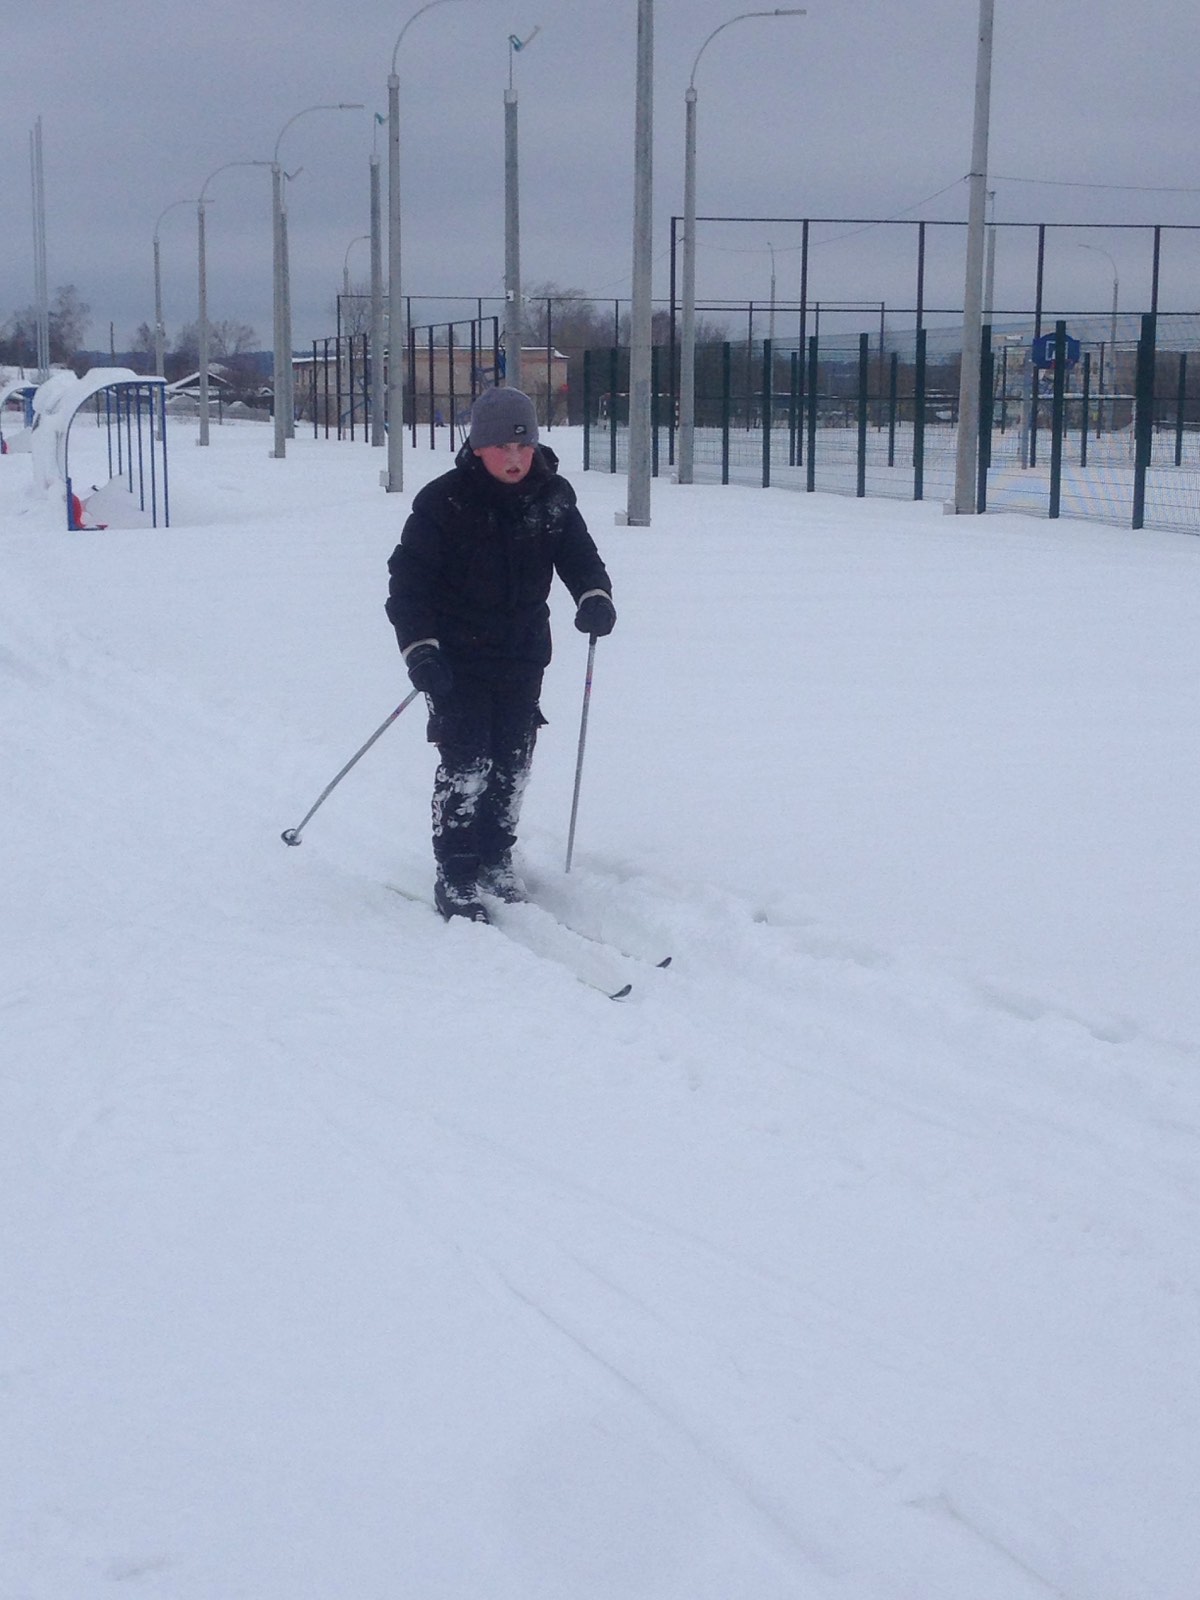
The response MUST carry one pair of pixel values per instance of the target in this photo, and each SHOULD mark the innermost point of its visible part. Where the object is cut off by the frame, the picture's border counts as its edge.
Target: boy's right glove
(429, 671)
(596, 614)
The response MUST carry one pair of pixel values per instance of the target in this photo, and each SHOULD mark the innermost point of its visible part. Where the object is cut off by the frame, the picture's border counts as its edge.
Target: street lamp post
(641, 312)
(687, 342)
(160, 332)
(393, 477)
(284, 406)
(202, 320)
(967, 451)
(359, 238)
(514, 311)
(771, 316)
(1112, 330)
(345, 312)
(378, 431)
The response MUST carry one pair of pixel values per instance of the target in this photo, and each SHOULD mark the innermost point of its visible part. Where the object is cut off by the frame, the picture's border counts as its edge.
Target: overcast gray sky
(860, 109)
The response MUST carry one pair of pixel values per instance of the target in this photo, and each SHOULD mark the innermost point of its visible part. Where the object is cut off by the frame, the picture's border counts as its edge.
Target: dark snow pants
(485, 731)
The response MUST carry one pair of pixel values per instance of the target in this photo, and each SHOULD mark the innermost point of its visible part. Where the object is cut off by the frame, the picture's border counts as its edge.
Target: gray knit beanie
(502, 416)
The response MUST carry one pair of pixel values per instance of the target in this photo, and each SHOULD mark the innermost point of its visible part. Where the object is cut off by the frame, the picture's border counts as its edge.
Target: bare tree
(69, 318)
(228, 339)
(355, 310)
(185, 350)
(9, 352)
(565, 318)
(660, 327)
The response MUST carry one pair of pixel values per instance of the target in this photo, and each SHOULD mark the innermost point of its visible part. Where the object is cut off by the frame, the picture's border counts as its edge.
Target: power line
(1071, 183)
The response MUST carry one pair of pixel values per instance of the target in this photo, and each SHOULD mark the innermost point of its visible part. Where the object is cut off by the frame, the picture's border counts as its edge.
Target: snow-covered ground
(351, 1256)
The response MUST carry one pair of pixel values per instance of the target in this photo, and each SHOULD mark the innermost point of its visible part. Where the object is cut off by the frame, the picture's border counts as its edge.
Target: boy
(469, 585)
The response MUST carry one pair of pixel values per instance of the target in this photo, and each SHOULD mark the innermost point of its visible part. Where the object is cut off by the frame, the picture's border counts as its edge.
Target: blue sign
(1043, 350)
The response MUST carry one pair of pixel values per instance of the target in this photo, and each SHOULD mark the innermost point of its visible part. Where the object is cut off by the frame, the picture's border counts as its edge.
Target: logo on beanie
(520, 429)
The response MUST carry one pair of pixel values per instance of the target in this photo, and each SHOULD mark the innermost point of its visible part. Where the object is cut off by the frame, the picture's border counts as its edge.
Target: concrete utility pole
(514, 321)
(637, 514)
(41, 292)
(202, 320)
(967, 456)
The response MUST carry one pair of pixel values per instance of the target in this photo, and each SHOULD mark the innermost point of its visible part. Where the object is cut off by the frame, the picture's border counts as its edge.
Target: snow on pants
(485, 731)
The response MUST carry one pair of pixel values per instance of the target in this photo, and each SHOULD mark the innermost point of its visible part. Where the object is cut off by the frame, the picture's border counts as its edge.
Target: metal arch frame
(138, 395)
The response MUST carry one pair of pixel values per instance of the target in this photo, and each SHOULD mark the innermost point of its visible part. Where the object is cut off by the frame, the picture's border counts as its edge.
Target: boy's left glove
(428, 670)
(596, 614)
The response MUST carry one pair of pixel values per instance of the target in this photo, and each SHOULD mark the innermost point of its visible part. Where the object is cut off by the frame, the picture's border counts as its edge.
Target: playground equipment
(124, 460)
(16, 388)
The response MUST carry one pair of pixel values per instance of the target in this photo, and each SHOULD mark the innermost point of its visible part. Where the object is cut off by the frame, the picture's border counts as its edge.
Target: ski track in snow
(820, 1266)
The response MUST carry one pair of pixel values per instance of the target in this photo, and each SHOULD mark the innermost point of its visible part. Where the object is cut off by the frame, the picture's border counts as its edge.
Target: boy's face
(509, 463)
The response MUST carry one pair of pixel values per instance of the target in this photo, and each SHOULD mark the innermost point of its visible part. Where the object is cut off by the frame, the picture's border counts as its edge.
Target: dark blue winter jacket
(476, 559)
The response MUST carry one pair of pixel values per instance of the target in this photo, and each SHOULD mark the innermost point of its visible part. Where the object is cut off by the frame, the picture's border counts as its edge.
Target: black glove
(596, 615)
(428, 670)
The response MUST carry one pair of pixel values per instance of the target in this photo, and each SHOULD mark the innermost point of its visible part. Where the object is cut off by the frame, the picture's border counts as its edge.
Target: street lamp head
(342, 105)
(515, 44)
(225, 168)
(742, 16)
(428, 6)
(358, 239)
(1100, 252)
(163, 212)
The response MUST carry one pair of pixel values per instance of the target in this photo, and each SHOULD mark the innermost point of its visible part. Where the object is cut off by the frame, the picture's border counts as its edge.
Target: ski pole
(292, 835)
(587, 695)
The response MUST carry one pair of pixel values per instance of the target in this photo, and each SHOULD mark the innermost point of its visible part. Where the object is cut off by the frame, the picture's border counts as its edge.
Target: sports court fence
(1098, 430)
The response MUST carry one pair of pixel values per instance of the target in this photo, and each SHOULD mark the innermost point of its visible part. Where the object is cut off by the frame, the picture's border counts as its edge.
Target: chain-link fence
(1095, 428)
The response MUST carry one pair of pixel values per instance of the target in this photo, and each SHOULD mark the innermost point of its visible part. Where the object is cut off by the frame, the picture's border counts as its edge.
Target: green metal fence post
(1035, 385)
(655, 352)
(1180, 403)
(613, 378)
(768, 406)
(726, 406)
(587, 410)
(793, 404)
(429, 362)
(1143, 415)
(987, 406)
(864, 369)
(919, 418)
(1058, 410)
(813, 404)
